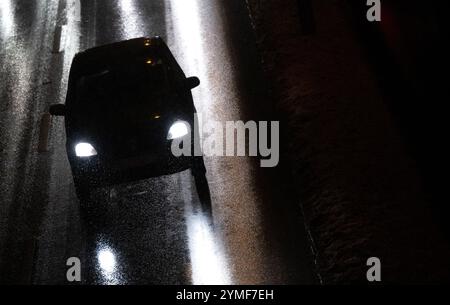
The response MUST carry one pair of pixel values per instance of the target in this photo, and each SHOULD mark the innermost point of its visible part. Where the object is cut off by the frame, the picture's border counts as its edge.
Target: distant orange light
(149, 61)
(157, 116)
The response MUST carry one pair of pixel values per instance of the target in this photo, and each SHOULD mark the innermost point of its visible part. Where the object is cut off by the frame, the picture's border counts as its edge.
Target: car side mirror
(192, 82)
(58, 110)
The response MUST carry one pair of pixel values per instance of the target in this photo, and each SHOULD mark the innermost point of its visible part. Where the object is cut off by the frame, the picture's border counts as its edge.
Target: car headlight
(178, 130)
(85, 150)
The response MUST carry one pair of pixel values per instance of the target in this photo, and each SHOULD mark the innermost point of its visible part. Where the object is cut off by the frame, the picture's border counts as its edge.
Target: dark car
(125, 104)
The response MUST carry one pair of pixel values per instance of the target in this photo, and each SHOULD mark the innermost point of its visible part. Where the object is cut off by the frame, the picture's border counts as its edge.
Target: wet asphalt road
(155, 231)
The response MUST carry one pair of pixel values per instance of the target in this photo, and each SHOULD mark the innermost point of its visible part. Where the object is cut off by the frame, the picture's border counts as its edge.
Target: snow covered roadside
(360, 192)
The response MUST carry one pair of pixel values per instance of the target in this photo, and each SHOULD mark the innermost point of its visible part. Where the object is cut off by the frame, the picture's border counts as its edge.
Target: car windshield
(123, 97)
(127, 85)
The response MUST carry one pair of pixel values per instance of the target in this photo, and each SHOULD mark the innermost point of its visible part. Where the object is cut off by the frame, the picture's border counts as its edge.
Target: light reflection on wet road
(6, 17)
(155, 231)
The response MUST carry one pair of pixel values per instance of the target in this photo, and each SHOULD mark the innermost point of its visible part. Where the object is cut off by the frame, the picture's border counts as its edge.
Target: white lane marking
(44, 132)
(6, 19)
(65, 33)
(58, 39)
(76, 7)
(70, 41)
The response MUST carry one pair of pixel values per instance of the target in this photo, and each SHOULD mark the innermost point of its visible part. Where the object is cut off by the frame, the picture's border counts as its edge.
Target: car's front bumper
(98, 172)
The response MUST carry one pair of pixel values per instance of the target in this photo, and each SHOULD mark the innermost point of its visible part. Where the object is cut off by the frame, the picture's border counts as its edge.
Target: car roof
(96, 59)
